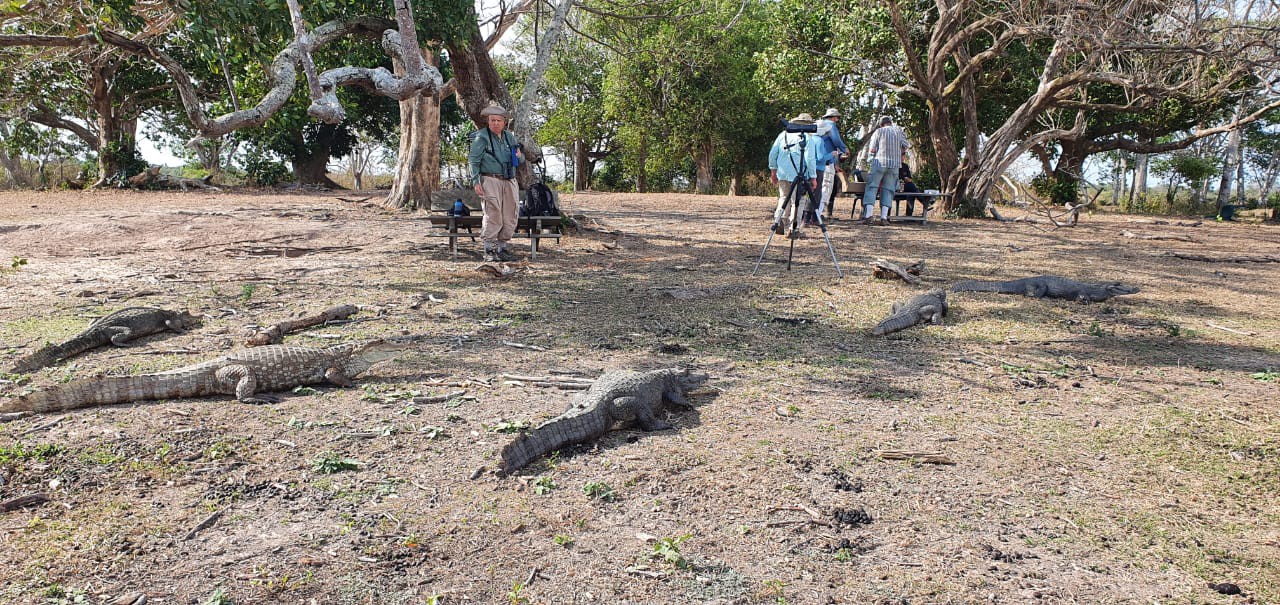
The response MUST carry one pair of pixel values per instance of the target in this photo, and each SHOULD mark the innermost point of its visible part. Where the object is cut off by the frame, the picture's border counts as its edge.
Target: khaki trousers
(501, 211)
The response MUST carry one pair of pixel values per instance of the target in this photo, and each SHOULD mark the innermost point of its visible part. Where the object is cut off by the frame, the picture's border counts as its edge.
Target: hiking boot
(778, 228)
(490, 255)
(505, 256)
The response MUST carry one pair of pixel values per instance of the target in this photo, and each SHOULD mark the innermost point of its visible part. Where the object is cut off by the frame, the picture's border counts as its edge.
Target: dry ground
(1123, 452)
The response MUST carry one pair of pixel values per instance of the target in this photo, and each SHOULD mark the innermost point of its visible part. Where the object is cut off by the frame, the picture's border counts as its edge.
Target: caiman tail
(552, 435)
(109, 390)
(51, 354)
(895, 322)
(974, 285)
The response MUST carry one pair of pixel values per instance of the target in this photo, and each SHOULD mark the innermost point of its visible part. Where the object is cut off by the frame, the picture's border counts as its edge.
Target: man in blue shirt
(789, 158)
(829, 155)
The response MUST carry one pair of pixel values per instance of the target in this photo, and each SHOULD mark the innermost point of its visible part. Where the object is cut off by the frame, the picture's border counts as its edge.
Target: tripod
(800, 190)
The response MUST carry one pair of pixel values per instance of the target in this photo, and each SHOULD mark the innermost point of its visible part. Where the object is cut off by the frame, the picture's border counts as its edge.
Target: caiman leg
(644, 414)
(121, 336)
(176, 326)
(244, 383)
(338, 377)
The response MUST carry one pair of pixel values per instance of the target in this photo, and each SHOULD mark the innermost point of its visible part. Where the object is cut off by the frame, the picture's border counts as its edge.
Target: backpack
(539, 200)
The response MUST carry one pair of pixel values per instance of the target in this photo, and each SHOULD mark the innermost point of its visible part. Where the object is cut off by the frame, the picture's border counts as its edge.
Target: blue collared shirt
(785, 156)
(831, 142)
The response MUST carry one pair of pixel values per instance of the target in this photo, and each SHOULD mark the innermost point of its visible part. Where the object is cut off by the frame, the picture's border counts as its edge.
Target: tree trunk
(418, 159)
(1118, 179)
(642, 176)
(581, 166)
(311, 162)
(13, 164)
(115, 144)
(417, 171)
(735, 183)
(1229, 165)
(704, 158)
(1139, 187)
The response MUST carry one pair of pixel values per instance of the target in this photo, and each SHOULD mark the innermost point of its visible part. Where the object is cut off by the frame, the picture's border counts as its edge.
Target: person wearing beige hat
(829, 155)
(793, 154)
(493, 158)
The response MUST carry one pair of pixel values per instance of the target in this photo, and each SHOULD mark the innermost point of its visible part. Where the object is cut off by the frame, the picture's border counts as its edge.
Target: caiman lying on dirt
(1048, 286)
(621, 398)
(114, 329)
(245, 374)
(928, 307)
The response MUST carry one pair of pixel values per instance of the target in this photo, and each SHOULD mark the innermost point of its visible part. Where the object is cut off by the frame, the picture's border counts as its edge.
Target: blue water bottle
(458, 208)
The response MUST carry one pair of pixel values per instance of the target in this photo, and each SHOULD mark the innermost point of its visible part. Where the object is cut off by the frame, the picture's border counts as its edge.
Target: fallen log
(275, 334)
(883, 269)
(1225, 259)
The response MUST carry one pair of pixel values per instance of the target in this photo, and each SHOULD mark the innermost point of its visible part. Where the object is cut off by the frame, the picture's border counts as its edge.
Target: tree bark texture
(704, 157)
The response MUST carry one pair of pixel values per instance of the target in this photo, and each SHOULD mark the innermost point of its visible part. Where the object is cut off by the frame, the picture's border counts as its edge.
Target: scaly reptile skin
(243, 374)
(928, 307)
(114, 329)
(621, 398)
(1048, 286)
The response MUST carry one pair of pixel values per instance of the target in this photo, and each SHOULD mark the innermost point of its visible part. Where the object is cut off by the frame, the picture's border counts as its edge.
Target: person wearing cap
(788, 159)
(494, 154)
(829, 155)
(885, 149)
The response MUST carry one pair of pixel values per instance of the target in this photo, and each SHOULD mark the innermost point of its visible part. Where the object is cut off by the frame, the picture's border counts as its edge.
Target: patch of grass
(1266, 376)
(18, 452)
(329, 463)
(667, 550)
(508, 426)
(564, 540)
(597, 490)
(543, 485)
(218, 597)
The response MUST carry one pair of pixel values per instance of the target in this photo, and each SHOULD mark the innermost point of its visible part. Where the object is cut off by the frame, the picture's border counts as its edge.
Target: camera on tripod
(792, 127)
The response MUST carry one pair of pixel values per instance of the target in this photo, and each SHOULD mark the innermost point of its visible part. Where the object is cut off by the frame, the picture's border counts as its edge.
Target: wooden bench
(535, 228)
(856, 189)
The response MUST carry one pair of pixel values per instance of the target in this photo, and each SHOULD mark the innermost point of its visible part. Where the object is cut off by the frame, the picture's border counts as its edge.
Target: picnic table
(535, 228)
(855, 190)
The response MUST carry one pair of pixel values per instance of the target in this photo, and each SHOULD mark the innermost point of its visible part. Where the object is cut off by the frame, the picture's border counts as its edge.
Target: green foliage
(218, 597)
(564, 540)
(543, 485)
(1267, 376)
(123, 158)
(1057, 190)
(512, 426)
(18, 452)
(246, 292)
(516, 594)
(18, 263)
(261, 169)
(597, 490)
(667, 550)
(329, 463)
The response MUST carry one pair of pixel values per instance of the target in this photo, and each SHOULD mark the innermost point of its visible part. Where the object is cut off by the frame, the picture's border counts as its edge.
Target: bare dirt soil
(1119, 452)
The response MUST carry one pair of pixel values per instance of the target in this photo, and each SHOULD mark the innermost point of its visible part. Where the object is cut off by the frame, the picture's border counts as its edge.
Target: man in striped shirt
(885, 149)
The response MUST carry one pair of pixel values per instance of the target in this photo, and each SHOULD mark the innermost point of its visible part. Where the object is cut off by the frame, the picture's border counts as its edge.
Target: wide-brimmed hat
(494, 109)
(803, 118)
(831, 113)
